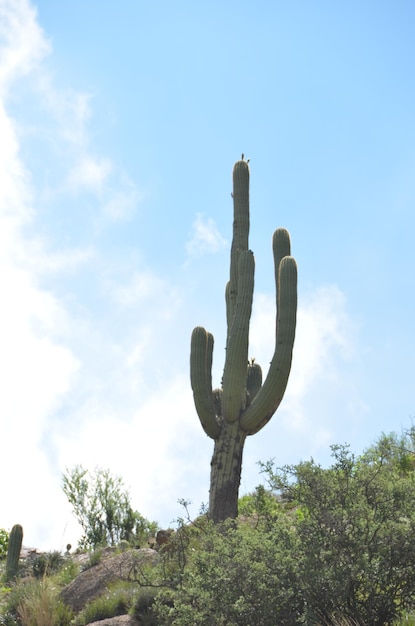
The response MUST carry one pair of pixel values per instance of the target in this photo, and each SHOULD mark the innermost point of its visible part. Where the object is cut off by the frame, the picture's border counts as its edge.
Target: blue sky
(119, 125)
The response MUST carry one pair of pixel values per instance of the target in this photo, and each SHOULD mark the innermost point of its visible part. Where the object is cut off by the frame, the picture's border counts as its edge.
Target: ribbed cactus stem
(271, 393)
(201, 380)
(13, 551)
(240, 231)
(253, 380)
(235, 371)
(244, 404)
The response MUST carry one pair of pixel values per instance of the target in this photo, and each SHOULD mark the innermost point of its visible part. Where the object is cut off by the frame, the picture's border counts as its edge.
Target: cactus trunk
(13, 551)
(225, 475)
(243, 404)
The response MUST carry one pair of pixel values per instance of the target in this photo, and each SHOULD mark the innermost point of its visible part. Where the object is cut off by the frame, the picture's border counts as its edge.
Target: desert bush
(48, 563)
(94, 557)
(118, 599)
(142, 606)
(102, 507)
(4, 540)
(405, 620)
(322, 547)
(67, 573)
(355, 523)
(239, 575)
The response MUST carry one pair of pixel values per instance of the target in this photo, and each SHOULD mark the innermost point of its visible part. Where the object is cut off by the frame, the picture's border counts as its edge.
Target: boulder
(121, 620)
(93, 582)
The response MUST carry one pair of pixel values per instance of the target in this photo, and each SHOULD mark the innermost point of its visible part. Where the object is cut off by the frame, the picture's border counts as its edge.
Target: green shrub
(406, 620)
(239, 575)
(322, 547)
(116, 601)
(355, 523)
(48, 563)
(67, 573)
(94, 557)
(142, 607)
(4, 539)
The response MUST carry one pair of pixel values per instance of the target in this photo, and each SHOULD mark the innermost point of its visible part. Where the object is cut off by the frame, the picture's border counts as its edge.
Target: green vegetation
(320, 546)
(48, 563)
(4, 540)
(36, 603)
(14, 547)
(314, 546)
(243, 405)
(116, 601)
(102, 507)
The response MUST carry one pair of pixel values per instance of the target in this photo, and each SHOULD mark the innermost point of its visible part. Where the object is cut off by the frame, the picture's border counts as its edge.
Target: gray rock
(121, 620)
(93, 582)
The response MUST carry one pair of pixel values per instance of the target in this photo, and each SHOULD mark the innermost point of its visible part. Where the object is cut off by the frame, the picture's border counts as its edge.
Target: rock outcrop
(121, 620)
(94, 581)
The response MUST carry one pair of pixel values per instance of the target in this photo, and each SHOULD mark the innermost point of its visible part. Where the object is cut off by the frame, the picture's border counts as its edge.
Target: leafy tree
(102, 507)
(238, 575)
(320, 546)
(356, 531)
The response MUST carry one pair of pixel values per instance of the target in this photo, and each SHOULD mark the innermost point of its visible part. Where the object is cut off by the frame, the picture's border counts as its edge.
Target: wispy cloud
(90, 174)
(325, 341)
(99, 381)
(205, 238)
(36, 366)
(79, 168)
(22, 43)
(78, 385)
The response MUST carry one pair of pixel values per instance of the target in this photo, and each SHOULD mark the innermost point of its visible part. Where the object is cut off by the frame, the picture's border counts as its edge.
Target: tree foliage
(102, 507)
(4, 540)
(319, 546)
(236, 576)
(355, 526)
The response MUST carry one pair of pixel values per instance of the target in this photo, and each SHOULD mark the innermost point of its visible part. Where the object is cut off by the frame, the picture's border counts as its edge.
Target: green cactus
(13, 551)
(243, 404)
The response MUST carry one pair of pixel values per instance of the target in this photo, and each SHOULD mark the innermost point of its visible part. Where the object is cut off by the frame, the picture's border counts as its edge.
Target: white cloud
(325, 340)
(122, 202)
(36, 366)
(23, 46)
(152, 447)
(143, 289)
(74, 388)
(90, 173)
(22, 42)
(14, 188)
(206, 237)
(102, 387)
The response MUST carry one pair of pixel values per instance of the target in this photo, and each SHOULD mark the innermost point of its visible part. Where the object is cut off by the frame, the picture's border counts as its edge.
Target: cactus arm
(253, 381)
(14, 547)
(272, 391)
(281, 247)
(201, 351)
(236, 363)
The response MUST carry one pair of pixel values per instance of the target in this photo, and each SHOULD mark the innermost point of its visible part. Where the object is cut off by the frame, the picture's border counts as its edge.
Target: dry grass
(39, 605)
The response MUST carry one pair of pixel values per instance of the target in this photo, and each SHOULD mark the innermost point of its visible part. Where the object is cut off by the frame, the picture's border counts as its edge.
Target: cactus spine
(243, 404)
(13, 551)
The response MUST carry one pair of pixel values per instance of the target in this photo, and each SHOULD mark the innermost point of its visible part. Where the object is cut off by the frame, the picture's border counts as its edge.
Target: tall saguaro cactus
(243, 404)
